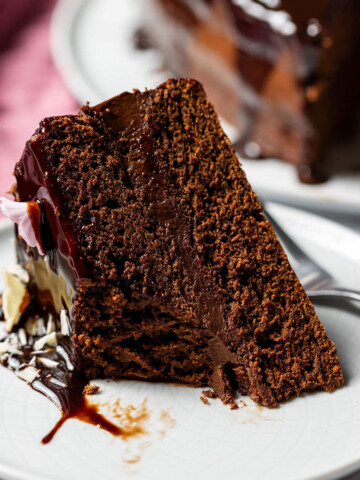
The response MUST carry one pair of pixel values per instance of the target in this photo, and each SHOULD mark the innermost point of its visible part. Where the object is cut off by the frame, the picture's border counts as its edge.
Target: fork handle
(335, 292)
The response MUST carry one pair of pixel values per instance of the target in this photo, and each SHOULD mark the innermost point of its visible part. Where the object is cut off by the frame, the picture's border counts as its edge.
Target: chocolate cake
(283, 72)
(148, 257)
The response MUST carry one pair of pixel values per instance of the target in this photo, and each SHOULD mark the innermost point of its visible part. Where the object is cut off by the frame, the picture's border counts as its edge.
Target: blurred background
(31, 87)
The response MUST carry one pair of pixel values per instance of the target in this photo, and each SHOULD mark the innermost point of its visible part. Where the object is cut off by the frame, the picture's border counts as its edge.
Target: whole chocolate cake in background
(283, 72)
(145, 255)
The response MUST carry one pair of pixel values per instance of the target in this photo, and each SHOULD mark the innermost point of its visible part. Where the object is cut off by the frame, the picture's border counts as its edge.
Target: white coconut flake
(35, 327)
(14, 350)
(6, 347)
(13, 339)
(22, 337)
(14, 362)
(65, 323)
(30, 326)
(20, 273)
(47, 362)
(50, 340)
(18, 213)
(50, 327)
(40, 327)
(57, 382)
(33, 362)
(16, 299)
(28, 374)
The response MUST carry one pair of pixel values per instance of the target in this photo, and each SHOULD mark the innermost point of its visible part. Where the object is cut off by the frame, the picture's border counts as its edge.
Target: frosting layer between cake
(170, 271)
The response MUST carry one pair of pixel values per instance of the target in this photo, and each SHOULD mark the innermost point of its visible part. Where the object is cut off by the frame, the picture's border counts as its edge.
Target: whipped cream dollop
(18, 212)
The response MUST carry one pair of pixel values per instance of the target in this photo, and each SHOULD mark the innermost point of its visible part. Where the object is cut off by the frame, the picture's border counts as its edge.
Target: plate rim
(62, 19)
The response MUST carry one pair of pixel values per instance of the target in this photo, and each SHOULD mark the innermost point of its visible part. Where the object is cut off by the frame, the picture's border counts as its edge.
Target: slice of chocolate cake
(283, 72)
(147, 248)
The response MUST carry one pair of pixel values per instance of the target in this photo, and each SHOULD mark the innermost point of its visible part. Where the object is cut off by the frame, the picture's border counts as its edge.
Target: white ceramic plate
(92, 44)
(316, 436)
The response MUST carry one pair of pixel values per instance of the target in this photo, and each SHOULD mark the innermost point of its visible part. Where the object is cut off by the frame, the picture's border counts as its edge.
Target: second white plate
(92, 44)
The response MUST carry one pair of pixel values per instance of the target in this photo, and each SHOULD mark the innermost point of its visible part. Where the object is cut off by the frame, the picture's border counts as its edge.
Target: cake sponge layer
(185, 279)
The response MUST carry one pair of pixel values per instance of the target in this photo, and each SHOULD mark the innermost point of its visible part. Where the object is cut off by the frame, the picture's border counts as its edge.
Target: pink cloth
(30, 86)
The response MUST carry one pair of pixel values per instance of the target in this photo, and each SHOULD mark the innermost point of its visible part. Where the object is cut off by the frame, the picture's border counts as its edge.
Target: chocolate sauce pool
(77, 406)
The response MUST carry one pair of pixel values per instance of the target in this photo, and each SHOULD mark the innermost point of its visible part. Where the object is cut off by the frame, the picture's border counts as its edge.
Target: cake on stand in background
(283, 72)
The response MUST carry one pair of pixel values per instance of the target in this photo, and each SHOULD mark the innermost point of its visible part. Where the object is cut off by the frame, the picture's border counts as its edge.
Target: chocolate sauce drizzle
(54, 234)
(34, 213)
(58, 375)
(62, 383)
(77, 406)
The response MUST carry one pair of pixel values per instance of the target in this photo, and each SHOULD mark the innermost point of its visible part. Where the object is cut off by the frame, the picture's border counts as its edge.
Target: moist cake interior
(176, 274)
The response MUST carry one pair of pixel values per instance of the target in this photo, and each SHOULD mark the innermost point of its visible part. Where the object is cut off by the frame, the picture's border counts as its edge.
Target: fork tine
(316, 281)
(311, 274)
(293, 248)
(335, 292)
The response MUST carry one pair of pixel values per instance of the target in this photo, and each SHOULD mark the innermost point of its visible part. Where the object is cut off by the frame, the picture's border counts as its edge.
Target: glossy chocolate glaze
(63, 384)
(54, 234)
(35, 185)
(282, 72)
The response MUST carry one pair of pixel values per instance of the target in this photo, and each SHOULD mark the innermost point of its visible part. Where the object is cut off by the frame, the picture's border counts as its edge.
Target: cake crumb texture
(188, 281)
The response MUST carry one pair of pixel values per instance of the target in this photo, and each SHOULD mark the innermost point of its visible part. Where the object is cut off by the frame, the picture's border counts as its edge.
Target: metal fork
(316, 281)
